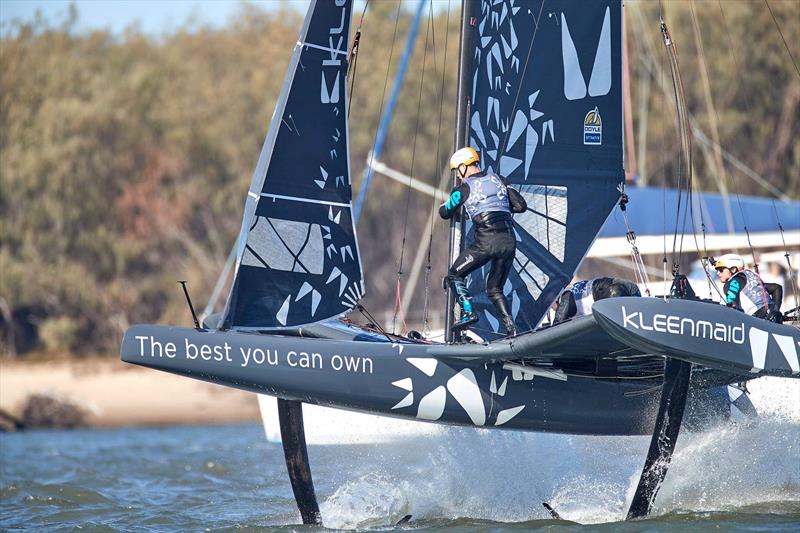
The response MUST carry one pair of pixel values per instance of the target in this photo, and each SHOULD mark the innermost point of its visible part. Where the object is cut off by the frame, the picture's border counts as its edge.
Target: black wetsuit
(494, 234)
(600, 288)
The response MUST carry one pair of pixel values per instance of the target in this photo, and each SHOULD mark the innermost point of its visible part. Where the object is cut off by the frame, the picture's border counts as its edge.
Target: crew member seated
(744, 290)
(578, 299)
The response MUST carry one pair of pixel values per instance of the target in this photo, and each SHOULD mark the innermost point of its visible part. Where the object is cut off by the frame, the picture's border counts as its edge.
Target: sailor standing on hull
(744, 290)
(489, 201)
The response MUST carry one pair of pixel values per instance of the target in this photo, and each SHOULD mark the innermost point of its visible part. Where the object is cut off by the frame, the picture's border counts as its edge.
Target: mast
(631, 171)
(469, 18)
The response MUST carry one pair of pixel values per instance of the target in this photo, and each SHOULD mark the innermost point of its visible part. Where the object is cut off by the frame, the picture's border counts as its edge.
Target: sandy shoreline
(118, 394)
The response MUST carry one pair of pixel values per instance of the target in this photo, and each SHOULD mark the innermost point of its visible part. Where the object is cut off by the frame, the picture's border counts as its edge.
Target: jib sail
(546, 113)
(297, 258)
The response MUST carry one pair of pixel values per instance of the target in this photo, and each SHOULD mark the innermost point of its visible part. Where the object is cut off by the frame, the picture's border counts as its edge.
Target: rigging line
(717, 144)
(414, 144)
(638, 265)
(397, 307)
(687, 149)
(366, 314)
(385, 84)
(792, 278)
(686, 143)
(680, 152)
(752, 251)
(425, 328)
(696, 244)
(643, 392)
(426, 280)
(352, 59)
(668, 43)
(363, 12)
(621, 377)
(664, 166)
(411, 172)
(706, 258)
(704, 261)
(651, 67)
(639, 269)
(722, 178)
(734, 161)
(785, 45)
(688, 212)
(741, 167)
(747, 102)
(422, 244)
(351, 70)
(536, 21)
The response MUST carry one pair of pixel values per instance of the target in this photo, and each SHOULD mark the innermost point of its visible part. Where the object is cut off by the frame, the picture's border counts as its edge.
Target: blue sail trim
(297, 259)
(552, 127)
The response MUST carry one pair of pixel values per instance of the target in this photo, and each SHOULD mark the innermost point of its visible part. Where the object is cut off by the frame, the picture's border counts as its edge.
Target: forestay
(546, 113)
(297, 258)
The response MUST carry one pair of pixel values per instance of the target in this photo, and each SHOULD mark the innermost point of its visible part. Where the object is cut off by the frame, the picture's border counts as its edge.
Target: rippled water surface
(742, 478)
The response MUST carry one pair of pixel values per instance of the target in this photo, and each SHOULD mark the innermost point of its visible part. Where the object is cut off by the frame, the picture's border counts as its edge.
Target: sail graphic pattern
(546, 113)
(297, 259)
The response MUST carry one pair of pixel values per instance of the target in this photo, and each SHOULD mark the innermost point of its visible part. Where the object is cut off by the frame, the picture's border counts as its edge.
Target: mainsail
(297, 259)
(546, 113)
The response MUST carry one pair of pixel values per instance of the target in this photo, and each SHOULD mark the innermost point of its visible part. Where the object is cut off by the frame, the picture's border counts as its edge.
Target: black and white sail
(546, 113)
(297, 259)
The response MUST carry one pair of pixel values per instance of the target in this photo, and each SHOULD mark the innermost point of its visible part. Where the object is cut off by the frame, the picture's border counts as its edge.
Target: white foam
(504, 476)
(434, 471)
(776, 397)
(734, 466)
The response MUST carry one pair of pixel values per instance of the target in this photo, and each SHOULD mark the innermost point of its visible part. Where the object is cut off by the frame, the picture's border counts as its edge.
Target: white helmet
(730, 261)
(464, 156)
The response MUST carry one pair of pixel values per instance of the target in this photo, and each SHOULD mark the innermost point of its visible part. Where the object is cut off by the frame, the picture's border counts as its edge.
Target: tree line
(124, 159)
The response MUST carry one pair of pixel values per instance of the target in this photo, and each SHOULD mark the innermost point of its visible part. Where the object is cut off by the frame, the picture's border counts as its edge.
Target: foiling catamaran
(540, 96)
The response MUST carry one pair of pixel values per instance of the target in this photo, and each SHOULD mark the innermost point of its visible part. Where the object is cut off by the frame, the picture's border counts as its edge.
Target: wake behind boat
(626, 369)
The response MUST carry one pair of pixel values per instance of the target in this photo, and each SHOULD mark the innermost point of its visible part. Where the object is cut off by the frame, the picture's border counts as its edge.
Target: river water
(736, 478)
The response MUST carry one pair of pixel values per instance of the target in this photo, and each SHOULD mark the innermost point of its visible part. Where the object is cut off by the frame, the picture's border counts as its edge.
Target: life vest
(753, 297)
(584, 298)
(486, 193)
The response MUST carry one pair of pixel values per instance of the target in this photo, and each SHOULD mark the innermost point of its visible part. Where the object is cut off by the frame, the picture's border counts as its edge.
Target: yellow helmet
(464, 156)
(730, 261)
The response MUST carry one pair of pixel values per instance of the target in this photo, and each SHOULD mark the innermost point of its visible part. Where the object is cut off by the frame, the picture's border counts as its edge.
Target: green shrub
(60, 334)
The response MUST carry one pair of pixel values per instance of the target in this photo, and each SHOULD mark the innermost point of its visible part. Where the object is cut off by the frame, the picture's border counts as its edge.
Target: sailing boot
(468, 315)
(501, 305)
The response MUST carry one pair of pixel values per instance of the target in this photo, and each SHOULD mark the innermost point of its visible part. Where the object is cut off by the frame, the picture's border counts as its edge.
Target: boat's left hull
(398, 380)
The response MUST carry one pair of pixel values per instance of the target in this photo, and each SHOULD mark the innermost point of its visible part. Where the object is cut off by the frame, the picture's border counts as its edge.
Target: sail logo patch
(575, 87)
(593, 128)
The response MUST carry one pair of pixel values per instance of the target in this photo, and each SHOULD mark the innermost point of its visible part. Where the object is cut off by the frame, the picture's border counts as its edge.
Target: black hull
(596, 375)
(399, 380)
